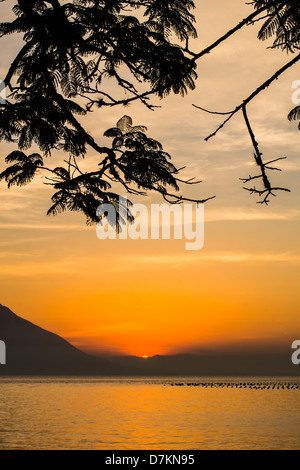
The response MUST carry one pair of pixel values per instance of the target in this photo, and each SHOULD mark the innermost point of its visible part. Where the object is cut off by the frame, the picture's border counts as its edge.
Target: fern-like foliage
(283, 23)
(71, 52)
(294, 115)
(70, 49)
(134, 160)
(23, 169)
(142, 159)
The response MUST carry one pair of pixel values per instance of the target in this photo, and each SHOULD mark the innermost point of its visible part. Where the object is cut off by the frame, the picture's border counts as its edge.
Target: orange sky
(151, 297)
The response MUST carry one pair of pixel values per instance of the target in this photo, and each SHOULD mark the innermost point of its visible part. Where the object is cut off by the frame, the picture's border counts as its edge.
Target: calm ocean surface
(149, 413)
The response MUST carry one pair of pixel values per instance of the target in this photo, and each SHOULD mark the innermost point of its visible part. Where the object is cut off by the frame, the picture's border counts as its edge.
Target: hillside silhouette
(31, 350)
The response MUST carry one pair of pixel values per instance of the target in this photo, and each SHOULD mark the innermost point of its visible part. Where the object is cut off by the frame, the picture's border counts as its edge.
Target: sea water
(149, 413)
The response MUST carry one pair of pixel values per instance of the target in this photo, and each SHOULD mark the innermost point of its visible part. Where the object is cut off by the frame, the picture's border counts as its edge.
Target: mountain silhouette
(233, 364)
(31, 350)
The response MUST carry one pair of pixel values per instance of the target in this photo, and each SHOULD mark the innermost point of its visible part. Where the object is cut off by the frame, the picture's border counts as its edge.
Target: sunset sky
(147, 297)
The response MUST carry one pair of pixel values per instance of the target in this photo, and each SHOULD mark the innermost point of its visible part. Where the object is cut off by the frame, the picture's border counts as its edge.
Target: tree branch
(14, 65)
(229, 33)
(262, 87)
(269, 190)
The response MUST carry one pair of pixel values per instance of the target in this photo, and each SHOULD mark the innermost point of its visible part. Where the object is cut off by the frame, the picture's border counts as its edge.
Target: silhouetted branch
(258, 90)
(266, 193)
(215, 112)
(257, 154)
(189, 181)
(14, 65)
(229, 33)
(70, 48)
(246, 101)
(174, 199)
(269, 190)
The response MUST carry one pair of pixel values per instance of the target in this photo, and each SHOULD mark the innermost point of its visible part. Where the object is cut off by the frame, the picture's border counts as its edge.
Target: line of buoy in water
(251, 385)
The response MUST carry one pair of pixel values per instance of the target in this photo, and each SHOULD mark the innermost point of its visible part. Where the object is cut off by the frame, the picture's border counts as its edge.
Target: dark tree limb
(229, 33)
(269, 190)
(246, 101)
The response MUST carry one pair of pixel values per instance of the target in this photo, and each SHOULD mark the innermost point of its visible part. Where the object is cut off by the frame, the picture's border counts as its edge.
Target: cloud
(39, 226)
(133, 263)
(38, 269)
(240, 214)
(21, 241)
(106, 330)
(226, 257)
(175, 260)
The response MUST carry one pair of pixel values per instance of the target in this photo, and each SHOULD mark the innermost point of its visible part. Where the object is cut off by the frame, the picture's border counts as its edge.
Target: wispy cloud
(40, 226)
(226, 257)
(174, 261)
(106, 330)
(130, 263)
(241, 214)
(9, 243)
(41, 268)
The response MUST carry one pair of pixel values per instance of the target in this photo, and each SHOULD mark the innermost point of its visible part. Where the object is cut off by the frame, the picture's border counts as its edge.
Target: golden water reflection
(93, 413)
